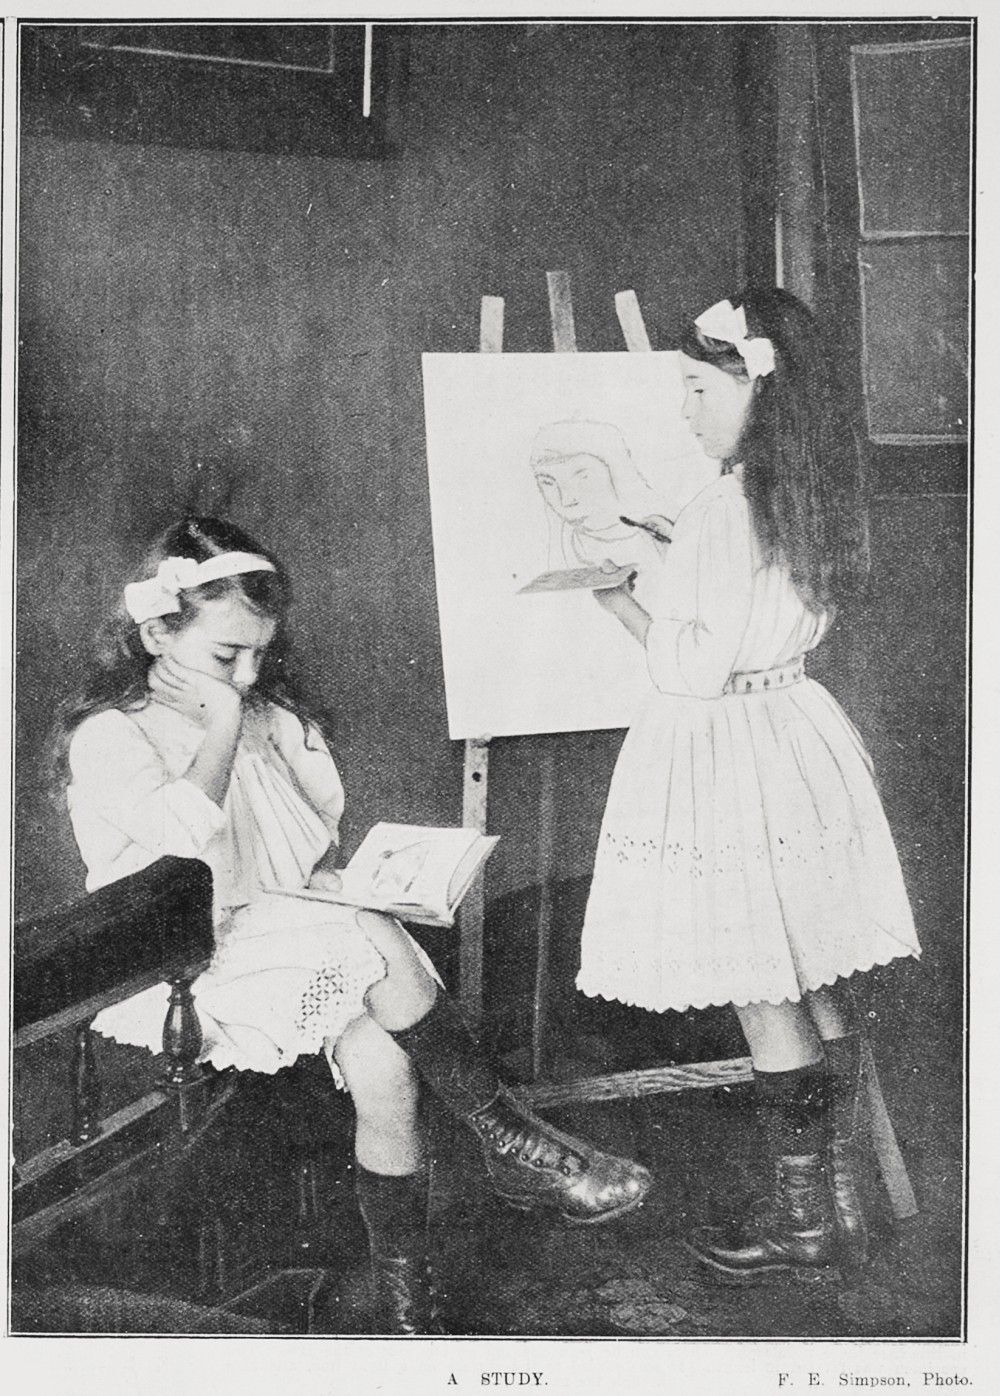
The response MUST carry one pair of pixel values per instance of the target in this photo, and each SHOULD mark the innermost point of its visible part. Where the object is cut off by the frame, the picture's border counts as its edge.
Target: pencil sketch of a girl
(586, 476)
(600, 507)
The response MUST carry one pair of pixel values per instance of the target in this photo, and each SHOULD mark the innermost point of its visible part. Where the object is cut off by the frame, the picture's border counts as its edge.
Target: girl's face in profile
(225, 639)
(580, 490)
(715, 406)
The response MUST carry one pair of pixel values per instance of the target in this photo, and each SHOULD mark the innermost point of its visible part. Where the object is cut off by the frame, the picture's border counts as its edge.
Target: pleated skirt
(744, 856)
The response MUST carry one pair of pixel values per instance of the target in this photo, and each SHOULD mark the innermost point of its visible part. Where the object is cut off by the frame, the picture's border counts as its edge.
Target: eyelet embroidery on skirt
(334, 997)
(639, 852)
(680, 859)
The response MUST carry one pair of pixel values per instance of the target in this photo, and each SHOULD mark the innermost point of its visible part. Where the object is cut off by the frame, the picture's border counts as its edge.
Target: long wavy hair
(803, 469)
(119, 668)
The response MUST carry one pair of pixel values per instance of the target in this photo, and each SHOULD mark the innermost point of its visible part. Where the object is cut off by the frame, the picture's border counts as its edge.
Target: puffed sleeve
(120, 781)
(308, 758)
(692, 645)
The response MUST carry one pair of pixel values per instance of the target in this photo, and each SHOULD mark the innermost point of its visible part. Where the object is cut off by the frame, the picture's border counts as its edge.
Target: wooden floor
(258, 1232)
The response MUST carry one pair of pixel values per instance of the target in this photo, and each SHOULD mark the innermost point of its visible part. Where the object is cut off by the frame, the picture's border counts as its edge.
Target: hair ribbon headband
(158, 595)
(728, 323)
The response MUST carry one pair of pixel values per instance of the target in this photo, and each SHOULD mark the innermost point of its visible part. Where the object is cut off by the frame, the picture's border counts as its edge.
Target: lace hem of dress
(712, 997)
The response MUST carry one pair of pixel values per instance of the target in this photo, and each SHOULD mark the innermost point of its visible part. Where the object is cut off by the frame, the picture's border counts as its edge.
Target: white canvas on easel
(520, 664)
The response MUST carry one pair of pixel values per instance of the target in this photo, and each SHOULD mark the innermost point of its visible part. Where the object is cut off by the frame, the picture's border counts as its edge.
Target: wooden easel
(628, 1084)
(476, 772)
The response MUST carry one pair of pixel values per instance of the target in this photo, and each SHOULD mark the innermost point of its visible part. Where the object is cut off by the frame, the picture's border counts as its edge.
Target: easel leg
(472, 915)
(476, 772)
(563, 342)
(546, 850)
(902, 1198)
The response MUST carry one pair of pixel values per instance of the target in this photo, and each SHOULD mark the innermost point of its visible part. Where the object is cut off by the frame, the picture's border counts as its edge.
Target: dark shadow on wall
(241, 333)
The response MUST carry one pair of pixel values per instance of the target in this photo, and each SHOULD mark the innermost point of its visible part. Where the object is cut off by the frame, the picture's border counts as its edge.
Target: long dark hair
(803, 473)
(118, 674)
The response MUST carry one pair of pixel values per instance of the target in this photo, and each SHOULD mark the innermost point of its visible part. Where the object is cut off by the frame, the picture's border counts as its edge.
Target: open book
(406, 870)
(596, 578)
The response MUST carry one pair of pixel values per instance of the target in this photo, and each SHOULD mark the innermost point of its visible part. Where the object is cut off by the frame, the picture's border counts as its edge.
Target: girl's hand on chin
(200, 697)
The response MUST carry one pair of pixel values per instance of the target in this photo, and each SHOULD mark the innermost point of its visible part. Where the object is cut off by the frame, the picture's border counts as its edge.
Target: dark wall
(242, 334)
(901, 673)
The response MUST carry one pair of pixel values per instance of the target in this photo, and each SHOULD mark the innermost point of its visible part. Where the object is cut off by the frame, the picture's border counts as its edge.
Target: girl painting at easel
(744, 856)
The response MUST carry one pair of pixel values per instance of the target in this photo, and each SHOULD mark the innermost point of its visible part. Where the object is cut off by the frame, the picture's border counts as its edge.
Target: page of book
(405, 865)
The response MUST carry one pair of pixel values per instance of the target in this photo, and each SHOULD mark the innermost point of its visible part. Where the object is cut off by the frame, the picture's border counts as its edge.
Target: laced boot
(845, 1067)
(530, 1164)
(795, 1228)
(394, 1210)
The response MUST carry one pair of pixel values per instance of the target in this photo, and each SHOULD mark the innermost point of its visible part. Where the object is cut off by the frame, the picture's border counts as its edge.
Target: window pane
(915, 302)
(911, 117)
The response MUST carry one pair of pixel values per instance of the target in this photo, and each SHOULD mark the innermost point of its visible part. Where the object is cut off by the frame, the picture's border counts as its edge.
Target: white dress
(287, 975)
(744, 855)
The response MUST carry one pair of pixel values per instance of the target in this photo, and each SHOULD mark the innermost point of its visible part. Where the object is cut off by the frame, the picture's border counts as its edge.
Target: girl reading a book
(190, 738)
(744, 857)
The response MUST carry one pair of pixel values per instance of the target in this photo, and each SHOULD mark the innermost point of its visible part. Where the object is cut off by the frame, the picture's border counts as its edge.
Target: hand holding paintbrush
(658, 526)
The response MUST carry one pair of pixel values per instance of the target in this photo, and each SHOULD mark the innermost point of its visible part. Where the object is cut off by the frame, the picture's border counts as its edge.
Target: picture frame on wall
(276, 89)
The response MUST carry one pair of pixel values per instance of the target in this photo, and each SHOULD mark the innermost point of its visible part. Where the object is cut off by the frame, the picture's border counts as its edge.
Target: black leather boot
(795, 1232)
(794, 1228)
(394, 1210)
(530, 1163)
(845, 1067)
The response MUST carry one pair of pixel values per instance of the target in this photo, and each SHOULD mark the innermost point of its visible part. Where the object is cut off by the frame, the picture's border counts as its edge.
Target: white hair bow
(728, 323)
(157, 596)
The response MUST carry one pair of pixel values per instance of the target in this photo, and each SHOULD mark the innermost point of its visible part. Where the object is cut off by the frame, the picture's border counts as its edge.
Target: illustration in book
(411, 871)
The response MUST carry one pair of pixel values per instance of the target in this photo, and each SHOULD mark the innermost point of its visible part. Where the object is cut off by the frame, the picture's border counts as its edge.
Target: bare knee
(408, 991)
(395, 947)
(378, 1073)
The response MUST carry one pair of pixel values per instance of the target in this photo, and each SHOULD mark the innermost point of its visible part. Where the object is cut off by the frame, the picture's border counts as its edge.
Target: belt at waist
(763, 680)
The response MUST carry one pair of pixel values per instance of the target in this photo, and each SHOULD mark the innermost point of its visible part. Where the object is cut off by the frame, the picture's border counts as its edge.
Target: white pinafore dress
(287, 975)
(744, 855)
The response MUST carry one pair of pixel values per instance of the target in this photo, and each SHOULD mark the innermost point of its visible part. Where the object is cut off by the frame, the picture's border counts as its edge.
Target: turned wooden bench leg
(182, 1042)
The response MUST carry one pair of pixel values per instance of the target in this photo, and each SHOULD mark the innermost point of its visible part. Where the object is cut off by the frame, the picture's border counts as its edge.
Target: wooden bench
(151, 927)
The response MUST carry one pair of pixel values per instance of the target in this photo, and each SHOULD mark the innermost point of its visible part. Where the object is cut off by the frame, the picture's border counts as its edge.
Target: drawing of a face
(579, 488)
